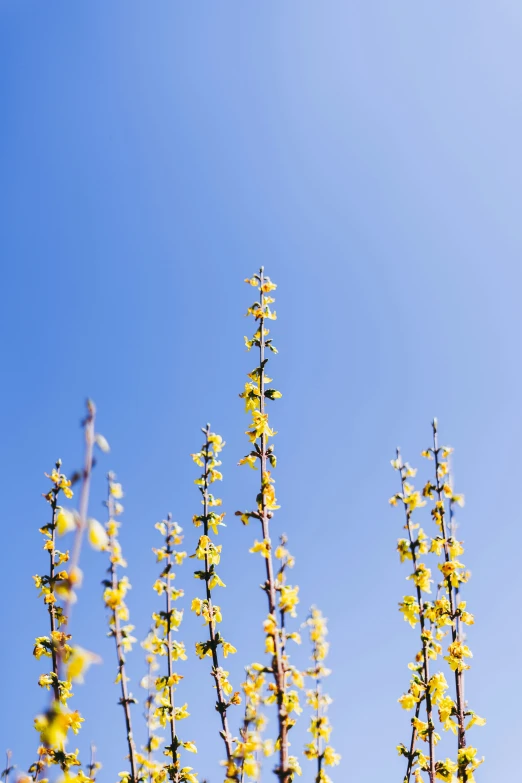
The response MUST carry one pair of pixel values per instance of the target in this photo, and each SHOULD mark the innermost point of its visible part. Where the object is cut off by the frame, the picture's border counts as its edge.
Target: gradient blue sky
(368, 154)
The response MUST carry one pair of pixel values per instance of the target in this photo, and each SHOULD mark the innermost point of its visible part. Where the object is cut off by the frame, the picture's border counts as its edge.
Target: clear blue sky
(368, 154)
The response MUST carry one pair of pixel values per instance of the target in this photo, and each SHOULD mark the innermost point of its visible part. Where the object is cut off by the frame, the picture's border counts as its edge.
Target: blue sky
(368, 154)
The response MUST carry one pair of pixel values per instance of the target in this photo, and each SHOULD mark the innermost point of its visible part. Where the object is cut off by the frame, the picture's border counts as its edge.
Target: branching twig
(114, 596)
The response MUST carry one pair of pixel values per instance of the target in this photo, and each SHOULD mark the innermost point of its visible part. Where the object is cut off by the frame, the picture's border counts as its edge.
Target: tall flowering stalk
(116, 589)
(149, 768)
(210, 553)
(251, 745)
(446, 610)
(454, 574)
(68, 662)
(55, 582)
(320, 729)
(262, 452)
(163, 644)
(414, 611)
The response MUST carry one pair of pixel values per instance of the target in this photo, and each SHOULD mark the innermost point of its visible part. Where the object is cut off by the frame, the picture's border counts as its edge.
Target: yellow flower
(261, 546)
(475, 720)
(421, 578)
(293, 763)
(98, 537)
(217, 442)
(437, 687)
(196, 606)
(78, 663)
(54, 725)
(215, 581)
(260, 426)
(288, 598)
(444, 770)
(206, 548)
(451, 572)
(66, 521)
(249, 460)
(407, 701)
(181, 712)
(413, 500)
(458, 499)
(457, 651)
(116, 490)
(330, 757)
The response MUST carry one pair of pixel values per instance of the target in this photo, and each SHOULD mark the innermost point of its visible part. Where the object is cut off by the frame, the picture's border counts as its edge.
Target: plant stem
(278, 668)
(51, 606)
(89, 434)
(318, 714)
(461, 733)
(170, 668)
(88, 425)
(150, 698)
(222, 703)
(117, 633)
(425, 659)
(412, 745)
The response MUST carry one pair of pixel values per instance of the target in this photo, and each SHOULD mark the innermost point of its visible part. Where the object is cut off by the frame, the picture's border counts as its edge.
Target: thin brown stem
(88, 425)
(125, 700)
(168, 602)
(51, 606)
(89, 434)
(222, 703)
(461, 732)
(425, 657)
(148, 716)
(265, 515)
(319, 742)
(412, 745)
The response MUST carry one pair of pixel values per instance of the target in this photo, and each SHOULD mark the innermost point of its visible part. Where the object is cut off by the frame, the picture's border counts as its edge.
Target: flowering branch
(320, 727)
(114, 598)
(409, 549)
(54, 725)
(90, 440)
(446, 610)
(255, 394)
(454, 575)
(254, 721)
(163, 644)
(148, 767)
(210, 554)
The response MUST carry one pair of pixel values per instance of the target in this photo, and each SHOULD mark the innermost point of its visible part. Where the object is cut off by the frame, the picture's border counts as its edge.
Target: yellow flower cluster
(282, 597)
(319, 748)
(245, 761)
(114, 595)
(447, 611)
(68, 662)
(210, 555)
(161, 709)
